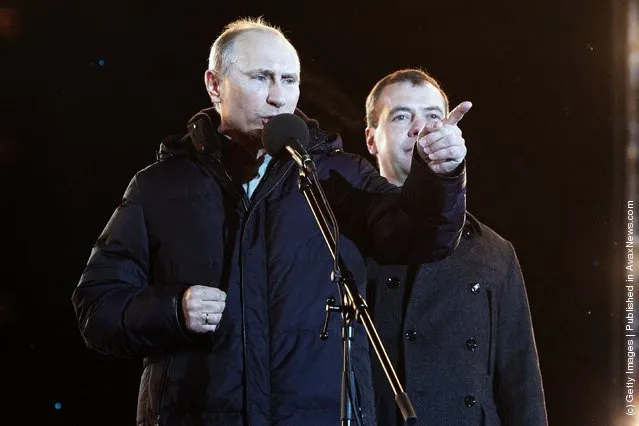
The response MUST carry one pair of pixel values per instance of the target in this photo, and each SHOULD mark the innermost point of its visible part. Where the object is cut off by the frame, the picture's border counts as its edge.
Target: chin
(255, 133)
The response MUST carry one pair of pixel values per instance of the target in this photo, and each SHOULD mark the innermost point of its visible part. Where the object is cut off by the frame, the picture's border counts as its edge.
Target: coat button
(471, 344)
(467, 233)
(469, 400)
(411, 335)
(474, 288)
(392, 282)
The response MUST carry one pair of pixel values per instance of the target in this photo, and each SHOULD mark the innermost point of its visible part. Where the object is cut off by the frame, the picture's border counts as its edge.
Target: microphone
(288, 132)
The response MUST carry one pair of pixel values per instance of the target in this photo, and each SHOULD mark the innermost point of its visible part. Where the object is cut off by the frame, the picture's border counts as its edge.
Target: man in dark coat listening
(214, 271)
(459, 330)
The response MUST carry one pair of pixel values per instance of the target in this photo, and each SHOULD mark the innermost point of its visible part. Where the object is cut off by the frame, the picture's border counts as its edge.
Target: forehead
(404, 94)
(264, 50)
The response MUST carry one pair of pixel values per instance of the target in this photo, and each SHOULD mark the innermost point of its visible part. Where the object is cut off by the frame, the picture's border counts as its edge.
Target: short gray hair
(221, 51)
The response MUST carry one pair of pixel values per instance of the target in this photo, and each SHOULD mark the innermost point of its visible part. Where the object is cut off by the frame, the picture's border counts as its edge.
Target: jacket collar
(472, 226)
(202, 137)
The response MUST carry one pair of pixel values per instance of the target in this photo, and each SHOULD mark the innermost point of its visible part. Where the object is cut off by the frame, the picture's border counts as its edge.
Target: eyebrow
(433, 108)
(410, 110)
(271, 74)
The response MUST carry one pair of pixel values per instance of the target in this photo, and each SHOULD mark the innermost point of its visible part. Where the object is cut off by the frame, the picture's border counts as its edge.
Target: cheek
(392, 142)
(295, 95)
(385, 143)
(249, 95)
(292, 95)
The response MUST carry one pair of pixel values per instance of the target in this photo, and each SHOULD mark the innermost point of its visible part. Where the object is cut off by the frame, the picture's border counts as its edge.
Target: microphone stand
(353, 306)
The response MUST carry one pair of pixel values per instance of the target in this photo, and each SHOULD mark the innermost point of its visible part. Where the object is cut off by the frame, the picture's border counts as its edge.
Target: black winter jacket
(185, 220)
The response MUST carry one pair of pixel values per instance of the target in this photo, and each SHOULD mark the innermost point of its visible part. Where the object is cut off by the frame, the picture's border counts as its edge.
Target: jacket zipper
(251, 209)
(243, 197)
(158, 408)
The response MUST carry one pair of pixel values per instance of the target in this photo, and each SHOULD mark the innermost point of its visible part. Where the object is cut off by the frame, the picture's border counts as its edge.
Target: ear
(370, 140)
(212, 84)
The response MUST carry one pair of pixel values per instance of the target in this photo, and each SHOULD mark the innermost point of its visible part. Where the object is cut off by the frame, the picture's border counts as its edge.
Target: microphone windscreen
(282, 128)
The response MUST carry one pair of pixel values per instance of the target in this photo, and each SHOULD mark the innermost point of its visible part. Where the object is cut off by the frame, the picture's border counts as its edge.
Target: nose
(416, 127)
(276, 95)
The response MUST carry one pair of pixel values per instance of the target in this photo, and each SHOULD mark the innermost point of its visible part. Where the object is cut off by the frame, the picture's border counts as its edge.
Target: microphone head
(281, 129)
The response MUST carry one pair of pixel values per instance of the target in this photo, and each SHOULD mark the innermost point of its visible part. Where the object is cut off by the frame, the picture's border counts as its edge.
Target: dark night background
(90, 88)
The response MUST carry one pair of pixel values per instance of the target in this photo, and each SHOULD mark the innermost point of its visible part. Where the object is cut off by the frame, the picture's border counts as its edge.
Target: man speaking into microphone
(213, 269)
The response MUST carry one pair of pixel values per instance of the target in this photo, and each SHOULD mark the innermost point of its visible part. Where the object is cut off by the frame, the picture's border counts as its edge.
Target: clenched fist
(202, 308)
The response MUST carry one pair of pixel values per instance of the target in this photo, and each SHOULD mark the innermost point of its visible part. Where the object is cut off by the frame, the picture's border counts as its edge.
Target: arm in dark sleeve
(518, 385)
(419, 222)
(118, 311)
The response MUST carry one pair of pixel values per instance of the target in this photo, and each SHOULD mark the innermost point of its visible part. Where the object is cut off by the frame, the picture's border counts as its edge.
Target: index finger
(457, 114)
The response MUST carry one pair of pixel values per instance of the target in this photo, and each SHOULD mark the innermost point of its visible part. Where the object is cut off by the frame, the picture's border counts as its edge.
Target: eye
(433, 117)
(290, 80)
(401, 117)
(259, 77)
